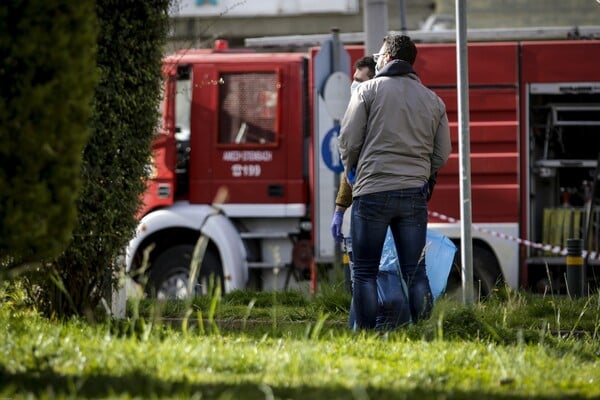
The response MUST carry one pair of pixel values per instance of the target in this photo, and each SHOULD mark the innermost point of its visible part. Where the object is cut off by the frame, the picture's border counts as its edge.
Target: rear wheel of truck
(170, 274)
(486, 275)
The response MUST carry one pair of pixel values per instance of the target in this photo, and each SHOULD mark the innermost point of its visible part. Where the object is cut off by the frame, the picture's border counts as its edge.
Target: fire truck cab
(234, 133)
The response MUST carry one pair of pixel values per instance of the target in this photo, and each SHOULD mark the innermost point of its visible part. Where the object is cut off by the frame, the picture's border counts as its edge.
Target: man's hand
(431, 184)
(336, 226)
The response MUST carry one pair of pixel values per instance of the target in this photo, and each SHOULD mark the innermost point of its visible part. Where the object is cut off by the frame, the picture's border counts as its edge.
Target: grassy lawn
(289, 346)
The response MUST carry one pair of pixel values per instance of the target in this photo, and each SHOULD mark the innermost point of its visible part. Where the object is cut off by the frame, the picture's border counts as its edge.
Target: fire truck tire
(486, 275)
(169, 274)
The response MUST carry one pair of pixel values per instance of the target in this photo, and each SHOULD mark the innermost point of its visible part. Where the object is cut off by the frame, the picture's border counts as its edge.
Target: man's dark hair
(400, 47)
(366, 61)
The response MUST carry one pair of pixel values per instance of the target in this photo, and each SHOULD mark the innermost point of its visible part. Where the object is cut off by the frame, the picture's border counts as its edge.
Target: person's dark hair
(401, 47)
(367, 61)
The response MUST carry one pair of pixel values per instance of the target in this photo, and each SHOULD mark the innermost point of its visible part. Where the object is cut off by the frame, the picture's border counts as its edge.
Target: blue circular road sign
(330, 152)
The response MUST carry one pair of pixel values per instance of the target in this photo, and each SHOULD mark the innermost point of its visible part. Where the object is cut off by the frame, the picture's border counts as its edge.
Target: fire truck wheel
(486, 275)
(169, 274)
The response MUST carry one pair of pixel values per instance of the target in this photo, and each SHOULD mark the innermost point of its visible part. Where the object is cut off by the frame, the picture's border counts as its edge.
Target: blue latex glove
(351, 176)
(336, 226)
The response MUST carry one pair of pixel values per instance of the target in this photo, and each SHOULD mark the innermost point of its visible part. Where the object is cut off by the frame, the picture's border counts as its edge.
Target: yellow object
(345, 258)
(574, 261)
(560, 224)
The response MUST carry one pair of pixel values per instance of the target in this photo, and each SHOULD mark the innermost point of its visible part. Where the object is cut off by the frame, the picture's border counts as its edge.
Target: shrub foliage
(47, 78)
(132, 34)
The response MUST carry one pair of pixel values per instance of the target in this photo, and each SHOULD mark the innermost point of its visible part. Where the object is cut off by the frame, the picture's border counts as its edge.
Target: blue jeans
(405, 212)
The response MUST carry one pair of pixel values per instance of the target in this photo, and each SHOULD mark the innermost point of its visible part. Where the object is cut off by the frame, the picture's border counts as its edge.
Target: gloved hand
(336, 226)
(431, 184)
(351, 176)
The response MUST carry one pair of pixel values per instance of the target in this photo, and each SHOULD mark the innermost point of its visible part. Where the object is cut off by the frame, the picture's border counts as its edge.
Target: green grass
(288, 346)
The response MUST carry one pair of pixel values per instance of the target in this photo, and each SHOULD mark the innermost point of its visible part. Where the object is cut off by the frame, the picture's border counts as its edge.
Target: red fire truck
(236, 163)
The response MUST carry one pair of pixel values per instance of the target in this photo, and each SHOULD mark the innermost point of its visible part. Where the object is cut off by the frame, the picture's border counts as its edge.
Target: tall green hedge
(47, 77)
(132, 34)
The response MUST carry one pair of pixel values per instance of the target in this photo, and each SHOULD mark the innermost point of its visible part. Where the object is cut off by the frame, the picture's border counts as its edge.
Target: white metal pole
(462, 75)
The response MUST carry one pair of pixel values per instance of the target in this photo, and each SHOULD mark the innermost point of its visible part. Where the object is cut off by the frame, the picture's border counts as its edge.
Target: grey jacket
(394, 132)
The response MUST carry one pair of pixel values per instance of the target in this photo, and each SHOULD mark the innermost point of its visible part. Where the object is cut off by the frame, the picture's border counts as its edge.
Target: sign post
(464, 150)
(331, 93)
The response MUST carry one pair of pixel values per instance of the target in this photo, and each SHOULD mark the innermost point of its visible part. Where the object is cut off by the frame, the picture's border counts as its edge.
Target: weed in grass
(196, 263)
(184, 323)
(14, 299)
(212, 311)
(440, 326)
(596, 322)
(314, 333)
(247, 315)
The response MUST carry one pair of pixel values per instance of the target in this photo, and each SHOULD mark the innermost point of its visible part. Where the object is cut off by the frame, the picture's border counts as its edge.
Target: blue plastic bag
(392, 294)
(439, 256)
(393, 301)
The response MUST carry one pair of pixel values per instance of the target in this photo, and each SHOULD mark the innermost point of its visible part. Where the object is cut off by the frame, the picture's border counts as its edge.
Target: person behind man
(395, 135)
(364, 69)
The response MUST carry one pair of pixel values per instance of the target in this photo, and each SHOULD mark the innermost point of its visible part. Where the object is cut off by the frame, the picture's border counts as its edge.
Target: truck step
(265, 265)
(267, 235)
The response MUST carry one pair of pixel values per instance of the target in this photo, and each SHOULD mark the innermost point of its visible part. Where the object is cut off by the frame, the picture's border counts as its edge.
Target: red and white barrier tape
(546, 247)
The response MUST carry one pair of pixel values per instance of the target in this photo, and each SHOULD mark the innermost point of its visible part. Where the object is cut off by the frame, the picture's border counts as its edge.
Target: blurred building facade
(197, 23)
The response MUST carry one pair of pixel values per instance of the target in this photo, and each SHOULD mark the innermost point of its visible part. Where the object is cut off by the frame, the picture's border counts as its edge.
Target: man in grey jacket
(394, 136)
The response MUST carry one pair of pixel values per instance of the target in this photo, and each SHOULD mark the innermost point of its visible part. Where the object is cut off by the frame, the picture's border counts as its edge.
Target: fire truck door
(238, 139)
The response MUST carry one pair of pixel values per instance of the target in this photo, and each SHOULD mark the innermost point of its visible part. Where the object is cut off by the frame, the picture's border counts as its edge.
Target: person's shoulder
(437, 100)
(376, 82)
(431, 95)
(427, 90)
(369, 86)
(373, 81)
